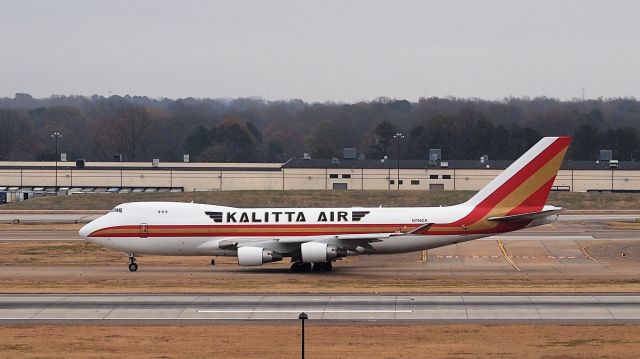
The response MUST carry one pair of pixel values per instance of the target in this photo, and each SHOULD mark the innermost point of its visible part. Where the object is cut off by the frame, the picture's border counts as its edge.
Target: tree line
(254, 130)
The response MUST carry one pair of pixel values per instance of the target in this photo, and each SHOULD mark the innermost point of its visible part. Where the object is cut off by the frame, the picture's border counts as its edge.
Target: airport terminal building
(23, 180)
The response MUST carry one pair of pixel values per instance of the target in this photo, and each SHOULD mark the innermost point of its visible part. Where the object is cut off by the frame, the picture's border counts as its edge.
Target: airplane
(316, 237)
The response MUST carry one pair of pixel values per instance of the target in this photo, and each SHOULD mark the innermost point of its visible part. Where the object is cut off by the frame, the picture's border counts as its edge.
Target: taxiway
(440, 308)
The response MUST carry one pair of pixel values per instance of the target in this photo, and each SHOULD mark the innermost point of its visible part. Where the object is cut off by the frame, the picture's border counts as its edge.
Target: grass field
(567, 200)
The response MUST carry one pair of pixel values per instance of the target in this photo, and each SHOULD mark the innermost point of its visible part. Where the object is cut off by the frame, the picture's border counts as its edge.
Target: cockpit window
(117, 209)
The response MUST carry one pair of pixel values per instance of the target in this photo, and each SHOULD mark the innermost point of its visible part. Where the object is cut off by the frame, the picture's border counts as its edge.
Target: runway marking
(586, 254)
(507, 257)
(306, 311)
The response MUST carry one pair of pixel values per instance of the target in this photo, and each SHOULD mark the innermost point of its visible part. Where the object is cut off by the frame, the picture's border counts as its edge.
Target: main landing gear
(301, 267)
(133, 266)
(322, 267)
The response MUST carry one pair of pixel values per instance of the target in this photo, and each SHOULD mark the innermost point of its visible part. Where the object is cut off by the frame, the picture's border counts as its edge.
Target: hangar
(22, 180)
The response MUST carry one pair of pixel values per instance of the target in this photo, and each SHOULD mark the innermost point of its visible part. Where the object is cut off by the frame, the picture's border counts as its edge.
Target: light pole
(302, 317)
(398, 136)
(56, 135)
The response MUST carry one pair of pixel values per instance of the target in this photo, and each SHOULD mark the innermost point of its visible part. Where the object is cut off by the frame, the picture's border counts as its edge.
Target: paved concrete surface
(40, 235)
(48, 217)
(445, 308)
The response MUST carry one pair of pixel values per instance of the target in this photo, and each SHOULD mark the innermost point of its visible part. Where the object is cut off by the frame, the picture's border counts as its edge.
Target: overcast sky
(321, 50)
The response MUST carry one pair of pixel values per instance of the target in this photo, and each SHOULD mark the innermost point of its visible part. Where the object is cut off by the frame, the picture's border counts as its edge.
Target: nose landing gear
(133, 266)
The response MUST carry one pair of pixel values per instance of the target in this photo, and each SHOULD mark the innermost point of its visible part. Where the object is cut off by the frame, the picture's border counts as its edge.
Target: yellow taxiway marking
(507, 257)
(586, 254)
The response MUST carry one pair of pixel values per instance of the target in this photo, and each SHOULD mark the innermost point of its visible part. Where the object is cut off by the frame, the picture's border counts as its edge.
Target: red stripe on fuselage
(134, 230)
(156, 231)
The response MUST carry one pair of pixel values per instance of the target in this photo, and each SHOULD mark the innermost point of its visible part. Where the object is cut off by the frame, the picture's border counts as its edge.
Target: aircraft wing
(348, 241)
(371, 237)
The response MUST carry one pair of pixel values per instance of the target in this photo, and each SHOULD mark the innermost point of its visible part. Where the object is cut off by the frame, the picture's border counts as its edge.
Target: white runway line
(306, 311)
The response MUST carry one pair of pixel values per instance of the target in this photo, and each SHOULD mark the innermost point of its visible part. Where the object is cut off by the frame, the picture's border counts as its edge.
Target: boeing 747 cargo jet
(315, 237)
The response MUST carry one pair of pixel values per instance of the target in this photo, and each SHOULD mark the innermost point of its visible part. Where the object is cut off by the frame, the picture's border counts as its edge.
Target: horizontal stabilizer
(527, 216)
(420, 230)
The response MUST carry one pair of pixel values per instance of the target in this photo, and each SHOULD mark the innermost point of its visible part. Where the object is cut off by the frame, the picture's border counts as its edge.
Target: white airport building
(23, 180)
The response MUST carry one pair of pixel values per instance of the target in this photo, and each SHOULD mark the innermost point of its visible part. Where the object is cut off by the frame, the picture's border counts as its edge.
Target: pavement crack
(535, 305)
(466, 312)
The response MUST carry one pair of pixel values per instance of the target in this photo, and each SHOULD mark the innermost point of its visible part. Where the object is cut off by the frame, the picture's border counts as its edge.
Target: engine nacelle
(256, 256)
(313, 252)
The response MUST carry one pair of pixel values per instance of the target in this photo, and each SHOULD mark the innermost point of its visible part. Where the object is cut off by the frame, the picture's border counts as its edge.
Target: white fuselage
(171, 228)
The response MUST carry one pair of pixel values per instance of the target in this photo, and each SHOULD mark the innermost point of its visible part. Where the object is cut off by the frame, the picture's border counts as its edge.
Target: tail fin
(525, 185)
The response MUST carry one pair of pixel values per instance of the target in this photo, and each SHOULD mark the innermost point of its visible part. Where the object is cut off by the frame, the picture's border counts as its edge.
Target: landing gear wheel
(132, 262)
(299, 267)
(296, 267)
(322, 267)
(213, 262)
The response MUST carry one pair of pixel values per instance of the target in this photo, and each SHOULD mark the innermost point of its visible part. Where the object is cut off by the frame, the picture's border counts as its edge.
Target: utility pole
(56, 135)
(302, 317)
(398, 136)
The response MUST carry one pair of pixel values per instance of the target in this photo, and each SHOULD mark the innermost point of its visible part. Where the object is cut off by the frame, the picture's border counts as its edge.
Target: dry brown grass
(623, 225)
(286, 284)
(82, 267)
(360, 340)
(573, 201)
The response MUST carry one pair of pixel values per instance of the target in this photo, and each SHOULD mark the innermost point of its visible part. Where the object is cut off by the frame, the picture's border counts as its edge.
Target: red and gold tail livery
(517, 196)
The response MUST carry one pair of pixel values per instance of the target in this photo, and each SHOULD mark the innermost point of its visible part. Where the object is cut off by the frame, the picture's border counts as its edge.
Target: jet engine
(313, 252)
(256, 256)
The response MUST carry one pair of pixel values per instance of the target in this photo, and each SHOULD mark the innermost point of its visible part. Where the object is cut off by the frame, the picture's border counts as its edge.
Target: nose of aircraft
(86, 230)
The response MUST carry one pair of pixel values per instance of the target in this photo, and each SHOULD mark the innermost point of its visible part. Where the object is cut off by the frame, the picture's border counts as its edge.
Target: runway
(420, 308)
(49, 217)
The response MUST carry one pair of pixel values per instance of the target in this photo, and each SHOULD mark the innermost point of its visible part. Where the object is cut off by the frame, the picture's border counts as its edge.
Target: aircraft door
(144, 230)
